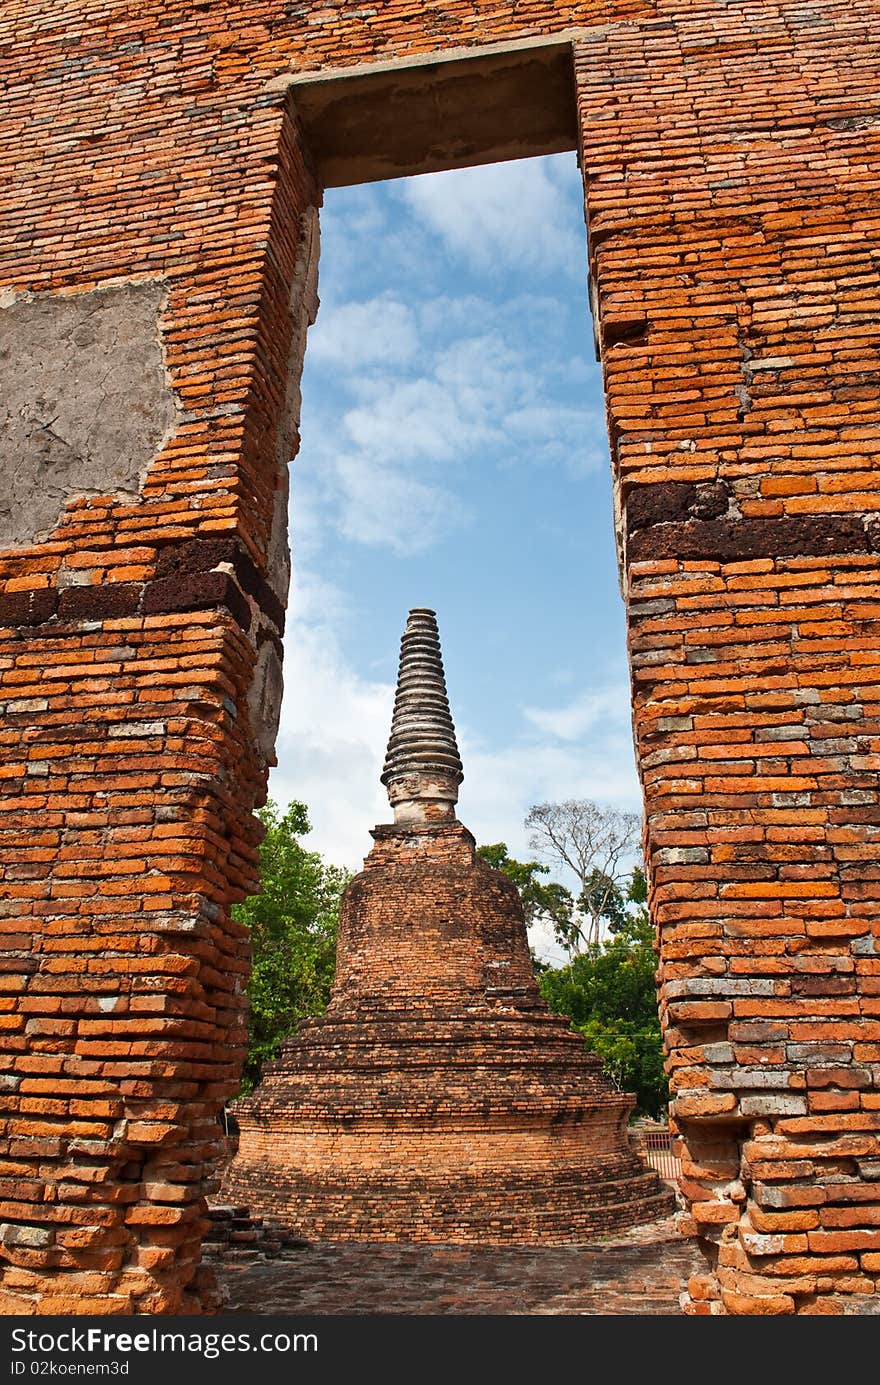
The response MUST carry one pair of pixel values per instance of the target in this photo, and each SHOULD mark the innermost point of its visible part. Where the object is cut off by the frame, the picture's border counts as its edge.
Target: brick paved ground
(641, 1271)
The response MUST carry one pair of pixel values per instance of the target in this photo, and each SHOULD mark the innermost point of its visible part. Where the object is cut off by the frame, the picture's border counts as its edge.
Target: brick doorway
(166, 238)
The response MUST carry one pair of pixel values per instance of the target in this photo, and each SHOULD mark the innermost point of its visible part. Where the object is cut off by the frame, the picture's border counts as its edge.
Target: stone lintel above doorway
(393, 120)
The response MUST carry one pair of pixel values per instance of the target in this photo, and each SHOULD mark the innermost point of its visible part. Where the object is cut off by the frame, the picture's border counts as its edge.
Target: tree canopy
(610, 994)
(293, 923)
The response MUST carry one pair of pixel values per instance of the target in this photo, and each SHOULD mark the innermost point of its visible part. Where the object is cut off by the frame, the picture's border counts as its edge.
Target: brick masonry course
(731, 158)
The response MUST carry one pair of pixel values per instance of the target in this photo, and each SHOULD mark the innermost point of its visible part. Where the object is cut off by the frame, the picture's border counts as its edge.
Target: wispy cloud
(501, 784)
(426, 419)
(398, 411)
(334, 725)
(606, 709)
(380, 506)
(507, 215)
(560, 435)
(380, 330)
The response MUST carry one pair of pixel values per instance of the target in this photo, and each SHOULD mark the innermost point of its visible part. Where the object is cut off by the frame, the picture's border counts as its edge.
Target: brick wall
(732, 164)
(137, 650)
(151, 158)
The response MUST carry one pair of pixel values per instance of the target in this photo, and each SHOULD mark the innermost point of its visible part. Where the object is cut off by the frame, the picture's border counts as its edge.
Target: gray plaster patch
(303, 309)
(278, 574)
(84, 401)
(264, 700)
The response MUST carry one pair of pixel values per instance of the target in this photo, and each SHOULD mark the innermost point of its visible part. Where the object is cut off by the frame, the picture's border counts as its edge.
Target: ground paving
(642, 1271)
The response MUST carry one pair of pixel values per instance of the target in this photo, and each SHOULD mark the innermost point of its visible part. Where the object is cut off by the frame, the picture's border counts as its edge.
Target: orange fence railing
(658, 1147)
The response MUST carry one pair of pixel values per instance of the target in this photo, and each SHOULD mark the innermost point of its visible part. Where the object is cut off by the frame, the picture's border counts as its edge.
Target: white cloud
(510, 215)
(382, 507)
(334, 727)
(380, 330)
(485, 371)
(543, 943)
(416, 420)
(501, 785)
(387, 466)
(608, 707)
(559, 435)
(447, 315)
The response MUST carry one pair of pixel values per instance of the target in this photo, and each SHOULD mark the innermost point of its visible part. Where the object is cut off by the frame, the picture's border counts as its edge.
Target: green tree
(610, 995)
(293, 922)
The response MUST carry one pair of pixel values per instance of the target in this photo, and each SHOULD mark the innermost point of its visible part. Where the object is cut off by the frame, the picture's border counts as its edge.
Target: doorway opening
(454, 454)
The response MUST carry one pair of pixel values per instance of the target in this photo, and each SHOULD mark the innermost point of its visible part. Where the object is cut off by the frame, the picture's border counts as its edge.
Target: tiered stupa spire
(422, 766)
(437, 1098)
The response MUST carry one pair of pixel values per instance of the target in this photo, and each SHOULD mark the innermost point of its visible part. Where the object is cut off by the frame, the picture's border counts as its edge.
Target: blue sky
(454, 455)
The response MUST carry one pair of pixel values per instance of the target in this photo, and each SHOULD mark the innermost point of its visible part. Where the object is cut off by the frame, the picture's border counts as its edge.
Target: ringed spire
(422, 768)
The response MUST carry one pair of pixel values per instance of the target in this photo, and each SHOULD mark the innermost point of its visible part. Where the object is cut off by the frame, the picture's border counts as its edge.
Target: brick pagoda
(438, 1099)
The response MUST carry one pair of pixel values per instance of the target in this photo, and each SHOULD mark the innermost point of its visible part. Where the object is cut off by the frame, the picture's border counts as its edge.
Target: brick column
(732, 182)
(144, 571)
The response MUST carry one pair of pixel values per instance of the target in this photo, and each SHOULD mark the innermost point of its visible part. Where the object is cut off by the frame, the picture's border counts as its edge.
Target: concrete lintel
(397, 119)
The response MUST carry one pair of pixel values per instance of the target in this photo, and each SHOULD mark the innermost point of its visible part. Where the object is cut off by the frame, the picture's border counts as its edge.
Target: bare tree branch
(593, 842)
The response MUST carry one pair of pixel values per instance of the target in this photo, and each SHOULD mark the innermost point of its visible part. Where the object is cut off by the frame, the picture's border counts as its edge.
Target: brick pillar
(144, 570)
(732, 202)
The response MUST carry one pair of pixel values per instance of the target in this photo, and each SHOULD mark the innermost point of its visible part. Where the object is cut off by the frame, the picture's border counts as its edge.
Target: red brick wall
(731, 157)
(128, 647)
(732, 169)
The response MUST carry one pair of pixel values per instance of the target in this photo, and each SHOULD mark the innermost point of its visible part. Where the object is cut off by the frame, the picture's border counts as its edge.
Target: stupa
(437, 1098)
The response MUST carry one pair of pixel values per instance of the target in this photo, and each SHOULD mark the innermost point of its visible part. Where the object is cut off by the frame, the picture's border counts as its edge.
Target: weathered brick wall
(732, 165)
(731, 155)
(138, 644)
(438, 1099)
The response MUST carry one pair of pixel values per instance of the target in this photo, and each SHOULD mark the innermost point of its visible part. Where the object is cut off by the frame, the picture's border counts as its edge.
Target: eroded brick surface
(731, 190)
(138, 701)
